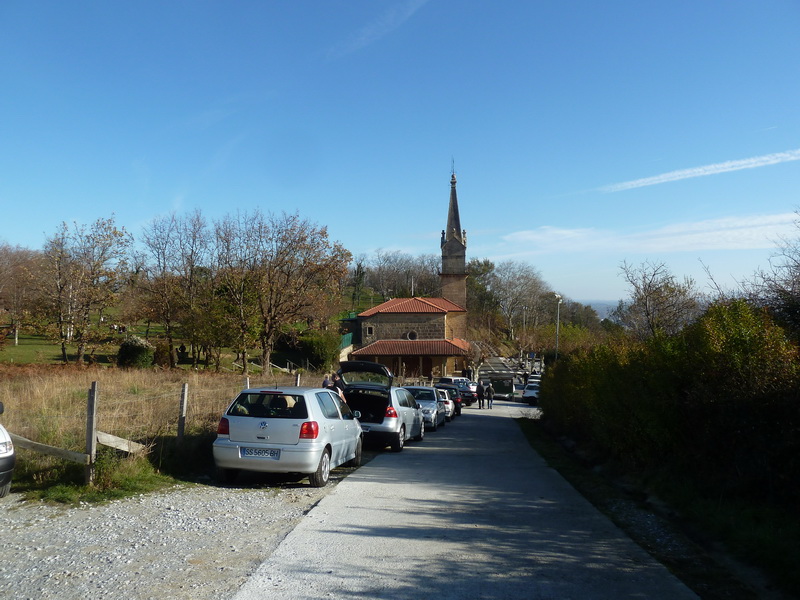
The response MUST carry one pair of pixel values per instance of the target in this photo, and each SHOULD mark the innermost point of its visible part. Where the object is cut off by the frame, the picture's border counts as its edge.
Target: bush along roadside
(708, 418)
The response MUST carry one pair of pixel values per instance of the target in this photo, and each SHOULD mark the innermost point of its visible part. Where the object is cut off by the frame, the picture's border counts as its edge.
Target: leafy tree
(237, 249)
(82, 272)
(481, 301)
(299, 276)
(17, 268)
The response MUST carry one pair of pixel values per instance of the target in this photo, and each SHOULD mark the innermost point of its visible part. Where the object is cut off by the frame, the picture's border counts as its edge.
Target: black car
(467, 395)
(455, 394)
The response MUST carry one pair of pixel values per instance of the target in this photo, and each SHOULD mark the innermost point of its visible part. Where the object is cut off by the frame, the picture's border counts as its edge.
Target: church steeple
(453, 229)
(454, 253)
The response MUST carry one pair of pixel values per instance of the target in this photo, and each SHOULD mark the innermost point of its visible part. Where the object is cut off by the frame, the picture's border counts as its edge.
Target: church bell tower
(454, 253)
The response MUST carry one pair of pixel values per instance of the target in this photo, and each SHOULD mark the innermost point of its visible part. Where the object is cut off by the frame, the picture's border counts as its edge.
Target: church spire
(454, 255)
(453, 229)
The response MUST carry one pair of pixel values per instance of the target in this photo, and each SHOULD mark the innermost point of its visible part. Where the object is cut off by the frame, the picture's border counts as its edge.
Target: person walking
(480, 391)
(489, 395)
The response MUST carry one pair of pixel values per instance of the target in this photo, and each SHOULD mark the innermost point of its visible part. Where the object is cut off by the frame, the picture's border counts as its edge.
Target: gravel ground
(195, 541)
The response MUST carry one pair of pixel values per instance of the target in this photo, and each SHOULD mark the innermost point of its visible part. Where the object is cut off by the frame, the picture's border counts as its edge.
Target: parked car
(453, 380)
(434, 412)
(8, 459)
(468, 396)
(454, 393)
(449, 405)
(389, 415)
(531, 394)
(288, 430)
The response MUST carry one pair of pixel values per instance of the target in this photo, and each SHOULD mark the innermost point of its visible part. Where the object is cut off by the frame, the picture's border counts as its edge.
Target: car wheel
(227, 475)
(319, 478)
(5, 490)
(434, 425)
(399, 441)
(421, 435)
(356, 460)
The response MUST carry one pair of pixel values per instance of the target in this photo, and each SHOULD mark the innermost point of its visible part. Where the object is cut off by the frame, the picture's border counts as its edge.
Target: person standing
(326, 382)
(480, 391)
(489, 395)
(337, 385)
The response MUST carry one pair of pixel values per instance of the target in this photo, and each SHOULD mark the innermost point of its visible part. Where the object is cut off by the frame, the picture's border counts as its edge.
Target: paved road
(470, 513)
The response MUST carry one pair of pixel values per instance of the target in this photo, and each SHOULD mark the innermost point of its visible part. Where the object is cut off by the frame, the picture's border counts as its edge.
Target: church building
(424, 336)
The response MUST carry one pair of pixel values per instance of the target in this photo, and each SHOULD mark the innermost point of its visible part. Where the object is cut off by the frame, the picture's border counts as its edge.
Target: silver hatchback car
(289, 430)
(389, 415)
(434, 411)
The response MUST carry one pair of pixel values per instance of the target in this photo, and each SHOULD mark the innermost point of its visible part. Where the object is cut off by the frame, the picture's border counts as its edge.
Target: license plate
(260, 453)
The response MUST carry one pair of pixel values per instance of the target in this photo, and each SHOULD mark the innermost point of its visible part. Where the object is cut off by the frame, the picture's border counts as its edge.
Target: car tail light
(309, 430)
(391, 413)
(224, 427)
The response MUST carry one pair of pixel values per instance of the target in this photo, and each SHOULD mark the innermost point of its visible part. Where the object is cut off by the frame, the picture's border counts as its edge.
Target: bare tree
(658, 302)
(778, 287)
(517, 288)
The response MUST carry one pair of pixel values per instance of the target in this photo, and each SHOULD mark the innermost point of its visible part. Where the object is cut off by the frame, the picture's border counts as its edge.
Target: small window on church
(412, 335)
(370, 331)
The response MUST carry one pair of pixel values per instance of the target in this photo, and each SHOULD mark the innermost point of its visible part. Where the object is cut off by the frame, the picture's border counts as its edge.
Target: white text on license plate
(260, 453)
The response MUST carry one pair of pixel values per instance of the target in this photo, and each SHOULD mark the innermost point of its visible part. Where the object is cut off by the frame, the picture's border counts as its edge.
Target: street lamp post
(558, 320)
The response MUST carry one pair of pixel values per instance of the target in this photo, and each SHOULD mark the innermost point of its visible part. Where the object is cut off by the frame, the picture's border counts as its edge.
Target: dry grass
(47, 404)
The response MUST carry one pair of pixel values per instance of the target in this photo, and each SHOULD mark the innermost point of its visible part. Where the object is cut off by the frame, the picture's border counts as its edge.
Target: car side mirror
(357, 414)
(419, 405)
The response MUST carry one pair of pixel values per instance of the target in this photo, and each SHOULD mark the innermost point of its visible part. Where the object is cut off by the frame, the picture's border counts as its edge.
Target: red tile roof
(414, 305)
(454, 347)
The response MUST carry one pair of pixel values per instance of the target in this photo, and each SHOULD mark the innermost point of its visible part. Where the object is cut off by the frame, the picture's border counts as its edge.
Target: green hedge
(717, 403)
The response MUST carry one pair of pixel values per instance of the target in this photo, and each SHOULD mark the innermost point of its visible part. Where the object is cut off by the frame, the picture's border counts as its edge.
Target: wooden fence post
(182, 416)
(91, 433)
(247, 383)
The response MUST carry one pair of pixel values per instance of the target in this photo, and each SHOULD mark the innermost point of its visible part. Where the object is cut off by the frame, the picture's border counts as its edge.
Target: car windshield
(420, 394)
(352, 377)
(270, 404)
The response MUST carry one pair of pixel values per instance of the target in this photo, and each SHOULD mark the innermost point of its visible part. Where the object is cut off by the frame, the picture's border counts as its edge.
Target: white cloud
(723, 167)
(727, 233)
(372, 32)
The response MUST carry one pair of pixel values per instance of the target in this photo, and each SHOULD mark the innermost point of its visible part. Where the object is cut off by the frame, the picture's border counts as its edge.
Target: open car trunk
(371, 403)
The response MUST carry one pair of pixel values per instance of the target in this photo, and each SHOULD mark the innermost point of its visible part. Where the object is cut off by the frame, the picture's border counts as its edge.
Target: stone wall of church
(402, 327)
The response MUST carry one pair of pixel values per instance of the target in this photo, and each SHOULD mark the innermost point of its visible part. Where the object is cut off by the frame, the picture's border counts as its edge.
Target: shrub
(135, 353)
(161, 355)
(320, 348)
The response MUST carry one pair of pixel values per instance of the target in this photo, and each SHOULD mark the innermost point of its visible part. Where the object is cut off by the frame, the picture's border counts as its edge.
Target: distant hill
(603, 307)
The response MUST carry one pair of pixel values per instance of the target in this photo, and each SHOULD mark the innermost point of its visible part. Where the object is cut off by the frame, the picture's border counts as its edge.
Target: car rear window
(269, 404)
(423, 394)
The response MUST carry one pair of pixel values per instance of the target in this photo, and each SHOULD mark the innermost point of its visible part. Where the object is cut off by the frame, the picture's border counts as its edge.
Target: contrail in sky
(723, 167)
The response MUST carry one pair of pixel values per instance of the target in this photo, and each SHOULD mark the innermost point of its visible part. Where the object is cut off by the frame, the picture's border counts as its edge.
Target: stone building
(424, 336)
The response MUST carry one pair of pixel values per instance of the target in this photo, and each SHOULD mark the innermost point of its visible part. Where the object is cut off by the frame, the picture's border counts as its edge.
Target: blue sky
(583, 133)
